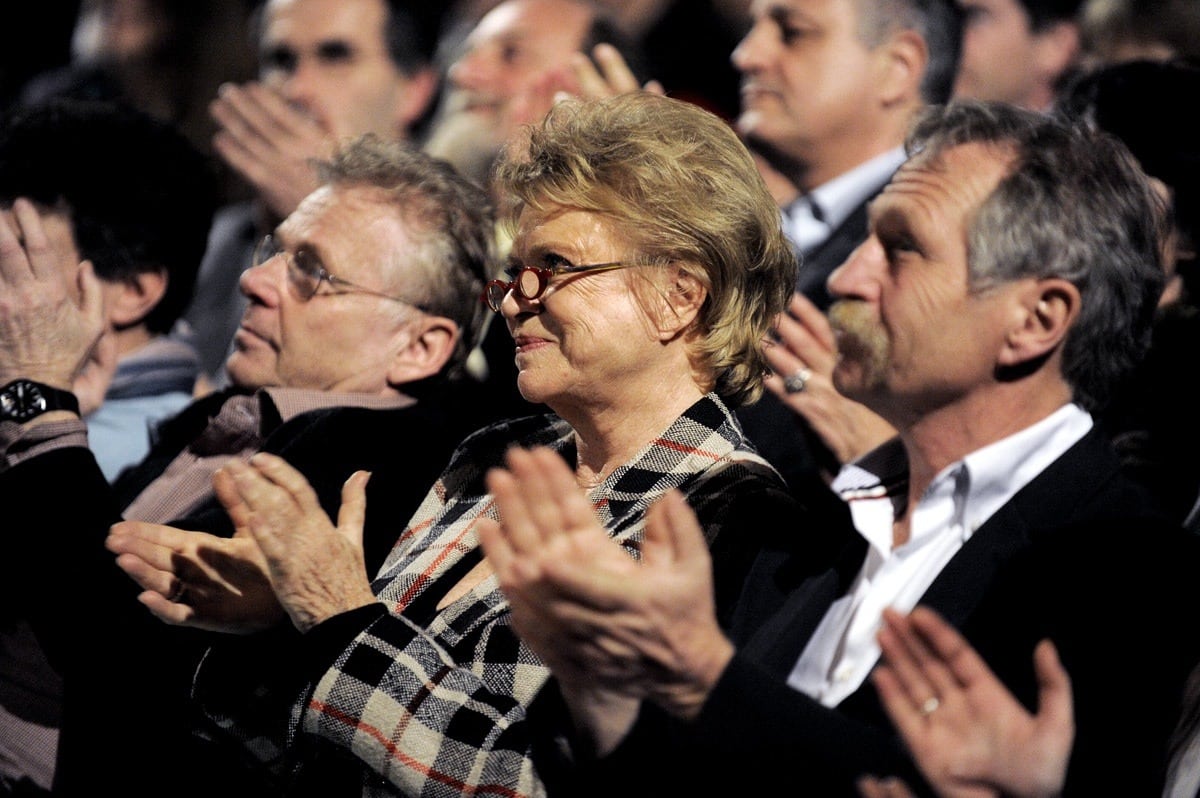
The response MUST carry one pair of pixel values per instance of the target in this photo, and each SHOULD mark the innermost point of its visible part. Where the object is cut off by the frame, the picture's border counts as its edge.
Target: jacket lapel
(1059, 495)
(1056, 497)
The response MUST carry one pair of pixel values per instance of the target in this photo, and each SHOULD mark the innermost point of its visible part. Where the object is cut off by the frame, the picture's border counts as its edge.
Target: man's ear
(133, 298)
(431, 344)
(902, 67)
(1045, 312)
(414, 101)
(1056, 49)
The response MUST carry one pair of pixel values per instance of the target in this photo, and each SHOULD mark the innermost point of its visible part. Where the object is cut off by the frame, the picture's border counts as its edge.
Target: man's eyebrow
(334, 48)
(315, 251)
(888, 218)
(296, 244)
(276, 52)
(781, 14)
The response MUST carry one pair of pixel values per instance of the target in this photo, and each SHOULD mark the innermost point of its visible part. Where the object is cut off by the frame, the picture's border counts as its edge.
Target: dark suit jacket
(1080, 555)
(126, 675)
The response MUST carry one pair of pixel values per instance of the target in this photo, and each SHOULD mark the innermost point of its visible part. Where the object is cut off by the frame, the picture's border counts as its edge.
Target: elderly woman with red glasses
(646, 269)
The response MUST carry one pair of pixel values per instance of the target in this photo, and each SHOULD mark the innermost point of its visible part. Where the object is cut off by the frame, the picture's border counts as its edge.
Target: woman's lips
(527, 343)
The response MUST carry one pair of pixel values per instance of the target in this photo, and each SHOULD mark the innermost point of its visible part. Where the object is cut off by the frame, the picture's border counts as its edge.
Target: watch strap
(53, 398)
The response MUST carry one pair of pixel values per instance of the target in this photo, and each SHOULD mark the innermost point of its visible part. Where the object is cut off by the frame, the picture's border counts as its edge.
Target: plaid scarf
(439, 709)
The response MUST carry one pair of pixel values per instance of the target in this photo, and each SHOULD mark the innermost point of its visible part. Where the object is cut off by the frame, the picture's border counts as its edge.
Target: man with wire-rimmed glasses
(363, 305)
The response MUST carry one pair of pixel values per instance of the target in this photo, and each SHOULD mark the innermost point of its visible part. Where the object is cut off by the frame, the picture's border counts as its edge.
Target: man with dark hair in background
(129, 194)
(1018, 51)
(138, 200)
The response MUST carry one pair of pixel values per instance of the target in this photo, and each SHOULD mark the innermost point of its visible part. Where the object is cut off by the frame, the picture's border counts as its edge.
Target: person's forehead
(955, 180)
(533, 21)
(303, 21)
(558, 228)
(1013, 10)
(816, 9)
(347, 225)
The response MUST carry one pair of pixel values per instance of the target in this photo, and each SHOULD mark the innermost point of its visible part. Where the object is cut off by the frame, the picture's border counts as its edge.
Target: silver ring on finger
(797, 381)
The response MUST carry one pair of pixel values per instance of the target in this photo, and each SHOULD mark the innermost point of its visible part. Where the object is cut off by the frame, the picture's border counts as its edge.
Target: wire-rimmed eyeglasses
(530, 282)
(306, 273)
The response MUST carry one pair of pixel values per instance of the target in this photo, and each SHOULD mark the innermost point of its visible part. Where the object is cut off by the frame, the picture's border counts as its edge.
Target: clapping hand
(316, 569)
(606, 74)
(611, 628)
(285, 554)
(968, 734)
(270, 143)
(197, 579)
(51, 305)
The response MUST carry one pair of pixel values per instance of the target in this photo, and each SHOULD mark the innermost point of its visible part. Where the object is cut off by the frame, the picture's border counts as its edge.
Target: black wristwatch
(22, 400)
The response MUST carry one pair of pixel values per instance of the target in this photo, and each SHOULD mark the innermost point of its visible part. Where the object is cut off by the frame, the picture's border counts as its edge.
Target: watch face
(21, 401)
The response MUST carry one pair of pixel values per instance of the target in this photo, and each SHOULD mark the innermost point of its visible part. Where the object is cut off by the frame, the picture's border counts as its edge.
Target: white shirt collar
(843, 648)
(1001, 469)
(978, 485)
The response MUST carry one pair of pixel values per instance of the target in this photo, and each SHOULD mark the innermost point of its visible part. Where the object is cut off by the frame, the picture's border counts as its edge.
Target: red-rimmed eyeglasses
(530, 282)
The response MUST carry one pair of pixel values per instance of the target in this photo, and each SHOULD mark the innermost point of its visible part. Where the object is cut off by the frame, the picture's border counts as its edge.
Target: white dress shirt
(964, 495)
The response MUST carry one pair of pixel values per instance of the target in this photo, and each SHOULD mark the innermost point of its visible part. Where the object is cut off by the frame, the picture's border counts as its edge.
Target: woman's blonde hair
(680, 185)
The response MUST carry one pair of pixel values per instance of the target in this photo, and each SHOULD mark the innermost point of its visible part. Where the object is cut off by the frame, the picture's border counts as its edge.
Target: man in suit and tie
(1008, 282)
(829, 88)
